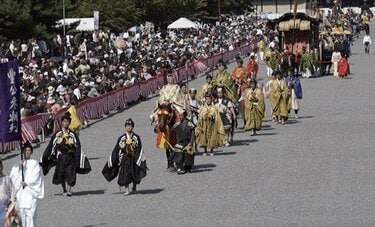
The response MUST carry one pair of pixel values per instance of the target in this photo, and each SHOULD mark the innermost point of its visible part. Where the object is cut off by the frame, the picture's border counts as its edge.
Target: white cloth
(77, 93)
(294, 104)
(6, 190)
(27, 197)
(366, 38)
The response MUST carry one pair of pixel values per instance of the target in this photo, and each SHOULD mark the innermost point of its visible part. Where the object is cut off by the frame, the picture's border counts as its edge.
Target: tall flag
(10, 106)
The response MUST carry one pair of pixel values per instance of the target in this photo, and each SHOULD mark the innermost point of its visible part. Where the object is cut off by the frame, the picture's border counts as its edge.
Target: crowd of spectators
(88, 64)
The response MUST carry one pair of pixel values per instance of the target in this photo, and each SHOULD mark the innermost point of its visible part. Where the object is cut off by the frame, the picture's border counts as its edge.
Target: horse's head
(164, 116)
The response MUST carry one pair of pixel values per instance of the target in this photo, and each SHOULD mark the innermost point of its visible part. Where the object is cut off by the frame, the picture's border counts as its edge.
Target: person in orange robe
(239, 77)
(343, 67)
(252, 67)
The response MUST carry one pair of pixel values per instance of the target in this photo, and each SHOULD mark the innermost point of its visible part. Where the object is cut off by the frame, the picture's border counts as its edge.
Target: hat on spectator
(51, 100)
(92, 83)
(51, 89)
(62, 91)
(30, 98)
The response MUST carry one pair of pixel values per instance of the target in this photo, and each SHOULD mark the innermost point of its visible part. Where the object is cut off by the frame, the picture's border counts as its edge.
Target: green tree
(45, 14)
(15, 21)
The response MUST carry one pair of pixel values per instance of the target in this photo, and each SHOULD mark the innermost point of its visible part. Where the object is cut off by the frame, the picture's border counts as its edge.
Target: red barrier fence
(96, 107)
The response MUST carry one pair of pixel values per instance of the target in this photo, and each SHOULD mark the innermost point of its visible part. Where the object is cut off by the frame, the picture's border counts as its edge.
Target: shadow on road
(292, 122)
(9, 156)
(95, 158)
(225, 153)
(243, 142)
(145, 191)
(266, 134)
(101, 224)
(306, 117)
(203, 168)
(149, 191)
(93, 192)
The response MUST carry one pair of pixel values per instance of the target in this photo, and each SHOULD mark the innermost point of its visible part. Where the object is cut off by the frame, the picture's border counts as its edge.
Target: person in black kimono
(183, 151)
(127, 160)
(64, 152)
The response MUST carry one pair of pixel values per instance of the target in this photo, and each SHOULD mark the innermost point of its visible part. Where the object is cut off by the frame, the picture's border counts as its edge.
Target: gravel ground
(314, 171)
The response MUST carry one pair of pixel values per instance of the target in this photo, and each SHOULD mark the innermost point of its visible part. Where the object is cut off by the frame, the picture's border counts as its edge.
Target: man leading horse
(166, 113)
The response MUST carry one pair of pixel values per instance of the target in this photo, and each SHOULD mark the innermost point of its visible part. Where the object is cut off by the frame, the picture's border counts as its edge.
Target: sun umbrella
(120, 43)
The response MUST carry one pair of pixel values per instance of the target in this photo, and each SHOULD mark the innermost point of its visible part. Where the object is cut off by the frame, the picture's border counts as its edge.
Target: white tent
(85, 24)
(182, 23)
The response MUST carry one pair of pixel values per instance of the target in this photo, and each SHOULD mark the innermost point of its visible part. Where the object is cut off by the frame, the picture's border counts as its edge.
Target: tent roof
(182, 23)
(85, 24)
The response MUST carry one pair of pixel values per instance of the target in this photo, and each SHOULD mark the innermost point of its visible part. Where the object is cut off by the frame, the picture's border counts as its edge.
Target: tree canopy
(23, 19)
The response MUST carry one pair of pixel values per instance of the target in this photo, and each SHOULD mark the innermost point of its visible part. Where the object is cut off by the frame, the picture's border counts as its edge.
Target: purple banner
(10, 118)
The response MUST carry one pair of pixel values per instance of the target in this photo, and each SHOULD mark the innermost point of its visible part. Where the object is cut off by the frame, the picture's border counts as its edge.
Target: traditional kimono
(279, 97)
(204, 89)
(252, 68)
(295, 91)
(64, 151)
(127, 161)
(239, 76)
(193, 110)
(254, 108)
(75, 124)
(223, 79)
(224, 105)
(173, 94)
(336, 56)
(210, 130)
(343, 67)
(183, 151)
(27, 196)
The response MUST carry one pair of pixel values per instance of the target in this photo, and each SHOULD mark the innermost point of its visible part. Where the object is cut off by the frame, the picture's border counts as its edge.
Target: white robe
(26, 197)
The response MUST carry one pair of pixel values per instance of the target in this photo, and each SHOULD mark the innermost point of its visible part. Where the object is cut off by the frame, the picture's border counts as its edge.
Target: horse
(166, 118)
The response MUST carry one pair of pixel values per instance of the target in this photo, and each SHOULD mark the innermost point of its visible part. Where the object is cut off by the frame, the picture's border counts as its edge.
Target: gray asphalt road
(314, 171)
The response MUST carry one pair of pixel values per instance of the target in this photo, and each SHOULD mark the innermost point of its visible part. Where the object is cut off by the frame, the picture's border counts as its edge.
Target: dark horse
(167, 117)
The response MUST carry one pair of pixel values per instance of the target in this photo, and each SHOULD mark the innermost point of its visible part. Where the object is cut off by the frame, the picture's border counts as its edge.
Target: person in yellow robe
(75, 124)
(210, 130)
(279, 97)
(254, 107)
(170, 94)
(206, 87)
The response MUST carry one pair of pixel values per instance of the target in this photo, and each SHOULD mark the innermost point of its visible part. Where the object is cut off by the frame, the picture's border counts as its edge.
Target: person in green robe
(223, 79)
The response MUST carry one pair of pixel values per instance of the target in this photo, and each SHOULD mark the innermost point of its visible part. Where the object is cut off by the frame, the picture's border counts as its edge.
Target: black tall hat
(27, 144)
(129, 122)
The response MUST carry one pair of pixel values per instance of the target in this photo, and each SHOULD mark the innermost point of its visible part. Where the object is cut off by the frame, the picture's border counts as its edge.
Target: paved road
(314, 171)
